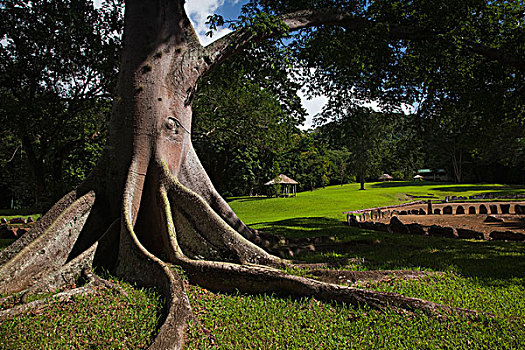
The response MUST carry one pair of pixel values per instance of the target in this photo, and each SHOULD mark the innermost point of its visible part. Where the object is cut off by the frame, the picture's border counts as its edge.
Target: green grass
(481, 275)
(332, 201)
(105, 320)
(16, 213)
(266, 322)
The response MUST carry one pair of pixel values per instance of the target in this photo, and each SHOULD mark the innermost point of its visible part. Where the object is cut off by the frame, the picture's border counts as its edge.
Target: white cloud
(313, 106)
(198, 11)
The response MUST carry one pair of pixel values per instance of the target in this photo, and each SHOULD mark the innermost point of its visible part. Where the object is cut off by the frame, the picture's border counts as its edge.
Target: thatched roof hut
(418, 178)
(289, 185)
(385, 177)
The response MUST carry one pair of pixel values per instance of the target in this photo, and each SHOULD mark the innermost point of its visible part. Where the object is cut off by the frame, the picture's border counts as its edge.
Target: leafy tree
(367, 134)
(305, 159)
(339, 166)
(245, 113)
(58, 64)
(460, 63)
(407, 148)
(149, 200)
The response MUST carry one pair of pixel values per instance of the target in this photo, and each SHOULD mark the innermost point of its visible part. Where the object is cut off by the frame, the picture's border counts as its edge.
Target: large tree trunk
(149, 201)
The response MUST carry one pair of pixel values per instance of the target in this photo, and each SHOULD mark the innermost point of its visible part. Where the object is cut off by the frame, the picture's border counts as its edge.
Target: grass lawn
(332, 201)
(13, 213)
(481, 275)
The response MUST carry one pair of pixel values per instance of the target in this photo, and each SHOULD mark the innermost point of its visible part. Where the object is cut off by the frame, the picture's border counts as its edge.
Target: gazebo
(385, 177)
(289, 185)
(418, 178)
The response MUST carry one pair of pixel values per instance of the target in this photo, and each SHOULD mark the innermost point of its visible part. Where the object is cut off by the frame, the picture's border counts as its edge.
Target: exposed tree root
(362, 278)
(137, 264)
(48, 250)
(201, 221)
(248, 278)
(225, 277)
(38, 228)
(194, 177)
(63, 296)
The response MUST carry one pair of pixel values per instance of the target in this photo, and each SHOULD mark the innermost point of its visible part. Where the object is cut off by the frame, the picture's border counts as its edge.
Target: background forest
(434, 108)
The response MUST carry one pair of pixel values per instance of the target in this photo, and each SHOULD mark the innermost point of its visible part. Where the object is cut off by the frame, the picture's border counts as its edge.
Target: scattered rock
(20, 232)
(379, 226)
(304, 249)
(440, 231)
(491, 218)
(416, 229)
(507, 236)
(17, 221)
(469, 234)
(369, 225)
(397, 226)
(7, 232)
(30, 220)
(285, 253)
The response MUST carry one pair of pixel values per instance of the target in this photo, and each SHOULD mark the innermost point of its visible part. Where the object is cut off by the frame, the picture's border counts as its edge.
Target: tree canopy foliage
(458, 66)
(58, 68)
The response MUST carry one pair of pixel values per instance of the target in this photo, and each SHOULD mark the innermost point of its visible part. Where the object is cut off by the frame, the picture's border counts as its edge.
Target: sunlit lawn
(332, 201)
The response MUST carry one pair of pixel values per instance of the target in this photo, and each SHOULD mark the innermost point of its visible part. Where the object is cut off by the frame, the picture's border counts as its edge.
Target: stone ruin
(15, 228)
(366, 219)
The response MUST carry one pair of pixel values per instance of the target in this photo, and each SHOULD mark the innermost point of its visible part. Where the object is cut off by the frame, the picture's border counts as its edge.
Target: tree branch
(234, 42)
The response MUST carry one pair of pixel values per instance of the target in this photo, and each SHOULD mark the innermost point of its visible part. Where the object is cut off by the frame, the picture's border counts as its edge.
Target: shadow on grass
(5, 242)
(404, 184)
(491, 189)
(18, 212)
(245, 199)
(486, 260)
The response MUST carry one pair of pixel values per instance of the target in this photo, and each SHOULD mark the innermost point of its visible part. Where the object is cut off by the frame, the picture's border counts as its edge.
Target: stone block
(416, 229)
(469, 234)
(17, 221)
(440, 231)
(507, 236)
(396, 226)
